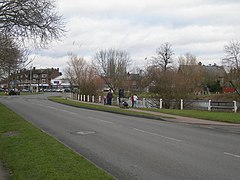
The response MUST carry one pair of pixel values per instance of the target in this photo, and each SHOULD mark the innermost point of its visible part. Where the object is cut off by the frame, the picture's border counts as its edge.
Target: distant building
(211, 74)
(60, 83)
(213, 71)
(33, 79)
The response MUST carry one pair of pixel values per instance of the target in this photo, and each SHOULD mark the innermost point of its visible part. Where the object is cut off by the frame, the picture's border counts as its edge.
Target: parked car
(25, 90)
(14, 92)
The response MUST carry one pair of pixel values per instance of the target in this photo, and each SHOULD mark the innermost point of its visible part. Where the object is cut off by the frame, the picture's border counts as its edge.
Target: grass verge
(29, 153)
(21, 93)
(229, 117)
(113, 109)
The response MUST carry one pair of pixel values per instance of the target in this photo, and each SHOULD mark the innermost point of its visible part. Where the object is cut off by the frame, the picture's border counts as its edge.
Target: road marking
(233, 155)
(49, 107)
(159, 135)
(68, 112)
(207, 127)
(109, 122)
(60, 110)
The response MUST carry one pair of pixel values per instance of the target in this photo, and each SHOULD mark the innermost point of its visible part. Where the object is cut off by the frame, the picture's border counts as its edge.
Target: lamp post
(30, 80)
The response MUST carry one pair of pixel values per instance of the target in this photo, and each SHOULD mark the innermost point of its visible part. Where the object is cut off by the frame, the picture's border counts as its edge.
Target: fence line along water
(208, 105)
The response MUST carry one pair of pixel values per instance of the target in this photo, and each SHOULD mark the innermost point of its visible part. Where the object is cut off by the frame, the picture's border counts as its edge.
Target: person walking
(109, 97)
(132, 100)
(135, 98)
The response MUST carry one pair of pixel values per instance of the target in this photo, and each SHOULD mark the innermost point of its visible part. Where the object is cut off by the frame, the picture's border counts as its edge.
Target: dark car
(14, 92)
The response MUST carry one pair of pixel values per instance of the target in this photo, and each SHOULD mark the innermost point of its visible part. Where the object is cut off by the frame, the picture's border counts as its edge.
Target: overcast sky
(201, 27)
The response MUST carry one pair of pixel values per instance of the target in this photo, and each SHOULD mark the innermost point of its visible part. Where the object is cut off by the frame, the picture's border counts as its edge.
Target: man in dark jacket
(109, 97)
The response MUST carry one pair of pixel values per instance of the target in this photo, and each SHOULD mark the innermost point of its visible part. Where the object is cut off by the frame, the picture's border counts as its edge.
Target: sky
(199, 27)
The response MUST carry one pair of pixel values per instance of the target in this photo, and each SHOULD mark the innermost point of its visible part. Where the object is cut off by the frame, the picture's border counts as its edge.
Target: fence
(208, 105)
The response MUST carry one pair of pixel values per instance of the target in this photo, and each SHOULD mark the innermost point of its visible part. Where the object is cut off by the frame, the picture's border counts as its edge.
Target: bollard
(235, 106)
(117, 100)
(209, 105)
(88, 98)
(99, 99)
(181, 105)
(160, 104)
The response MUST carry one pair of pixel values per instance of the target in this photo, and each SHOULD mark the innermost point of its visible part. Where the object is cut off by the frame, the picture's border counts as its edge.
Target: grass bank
(21, 93)
(107, 108)
(229, 117)
(29, 153)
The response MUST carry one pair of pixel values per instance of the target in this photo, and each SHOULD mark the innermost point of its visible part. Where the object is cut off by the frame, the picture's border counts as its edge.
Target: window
(44, 75)
(35, 75)
(43, 81)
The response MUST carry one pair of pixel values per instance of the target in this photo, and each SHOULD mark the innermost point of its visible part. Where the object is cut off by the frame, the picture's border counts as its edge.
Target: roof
(214, 70)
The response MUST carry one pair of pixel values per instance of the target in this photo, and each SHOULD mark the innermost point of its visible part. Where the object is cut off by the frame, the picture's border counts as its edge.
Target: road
(135, 148)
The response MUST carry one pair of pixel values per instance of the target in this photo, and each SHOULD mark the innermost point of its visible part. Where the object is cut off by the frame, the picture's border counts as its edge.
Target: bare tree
(187, 59)
(164, 57)
(30, 19)
(232, 61)
(232, 54)
(191, 72)
(81, 74)
(111, 66)
(12, 57)
(168, 84)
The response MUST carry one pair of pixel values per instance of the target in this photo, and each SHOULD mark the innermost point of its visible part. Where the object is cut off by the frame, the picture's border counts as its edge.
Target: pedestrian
(121, 95)
(109, 97)
(104, 100)
(132, 100)
(135, 98)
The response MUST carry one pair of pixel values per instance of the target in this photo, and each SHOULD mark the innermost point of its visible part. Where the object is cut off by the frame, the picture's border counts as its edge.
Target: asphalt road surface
(135, 148)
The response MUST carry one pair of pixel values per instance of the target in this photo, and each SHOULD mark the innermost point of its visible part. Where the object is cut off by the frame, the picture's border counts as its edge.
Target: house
(33, 79)
(60, 83)
(210, 77)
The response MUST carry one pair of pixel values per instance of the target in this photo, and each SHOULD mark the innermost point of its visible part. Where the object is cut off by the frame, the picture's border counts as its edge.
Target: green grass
(214, 116)
(32, 154)
(2, 94)
(107, 108)
(21, 93)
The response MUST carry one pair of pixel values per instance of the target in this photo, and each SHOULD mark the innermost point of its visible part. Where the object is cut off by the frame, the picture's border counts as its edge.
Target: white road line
(68, 112)
(109, 122)
(233, 155)
(159, 135)
(59, 109)
(50, 107)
